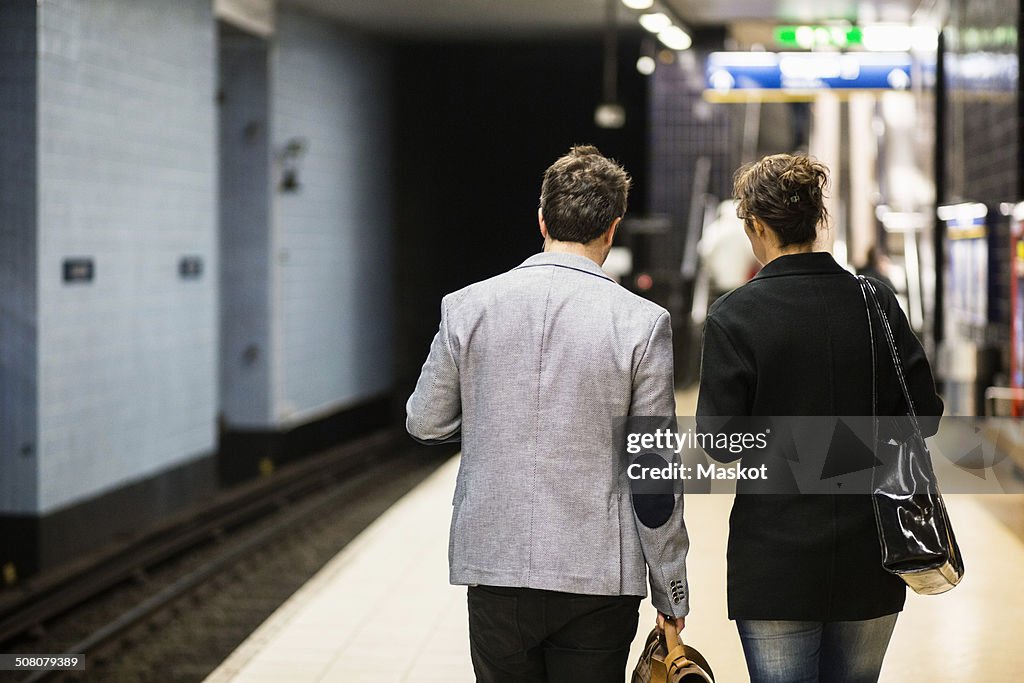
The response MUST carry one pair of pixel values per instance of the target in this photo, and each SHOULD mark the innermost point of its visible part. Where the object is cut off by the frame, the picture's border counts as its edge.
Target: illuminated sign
(810, 37)
(983, 72)
(800, 71)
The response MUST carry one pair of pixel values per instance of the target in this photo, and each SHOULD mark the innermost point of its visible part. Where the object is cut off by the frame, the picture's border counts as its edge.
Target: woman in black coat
(805, 579)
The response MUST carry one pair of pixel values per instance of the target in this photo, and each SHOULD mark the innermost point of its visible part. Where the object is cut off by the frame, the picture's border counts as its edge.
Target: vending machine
(979, 302)
(1017, 305)
(967, 262)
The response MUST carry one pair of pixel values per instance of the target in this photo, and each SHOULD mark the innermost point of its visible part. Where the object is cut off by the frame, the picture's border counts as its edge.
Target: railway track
(118, 610)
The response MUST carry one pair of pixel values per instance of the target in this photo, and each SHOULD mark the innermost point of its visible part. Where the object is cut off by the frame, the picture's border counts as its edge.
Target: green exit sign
(811, 37)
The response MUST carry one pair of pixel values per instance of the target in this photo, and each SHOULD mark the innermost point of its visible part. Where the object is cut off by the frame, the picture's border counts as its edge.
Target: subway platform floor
(382, 609)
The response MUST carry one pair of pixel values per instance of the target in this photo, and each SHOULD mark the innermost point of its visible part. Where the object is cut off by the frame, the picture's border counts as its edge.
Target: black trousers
(518, 635)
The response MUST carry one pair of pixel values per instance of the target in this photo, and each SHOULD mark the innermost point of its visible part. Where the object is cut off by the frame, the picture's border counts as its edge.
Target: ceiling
(792, 11)
(523, 18)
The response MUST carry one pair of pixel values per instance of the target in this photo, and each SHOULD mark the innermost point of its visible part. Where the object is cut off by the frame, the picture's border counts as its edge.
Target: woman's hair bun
(786, 192)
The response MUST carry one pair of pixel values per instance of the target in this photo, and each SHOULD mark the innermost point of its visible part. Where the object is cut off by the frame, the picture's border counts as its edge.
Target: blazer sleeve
(726, 387)
(659, 517)
(916, 368)
(434, 411)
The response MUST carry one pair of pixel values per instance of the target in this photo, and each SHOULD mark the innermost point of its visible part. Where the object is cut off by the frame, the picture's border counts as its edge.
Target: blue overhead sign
(807, 71)
(983, 72)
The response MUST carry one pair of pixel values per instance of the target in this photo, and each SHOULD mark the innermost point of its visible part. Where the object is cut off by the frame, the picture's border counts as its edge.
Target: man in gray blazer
(530, 369)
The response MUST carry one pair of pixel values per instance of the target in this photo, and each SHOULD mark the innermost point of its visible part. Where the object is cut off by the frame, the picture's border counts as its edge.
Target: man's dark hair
(583, 192)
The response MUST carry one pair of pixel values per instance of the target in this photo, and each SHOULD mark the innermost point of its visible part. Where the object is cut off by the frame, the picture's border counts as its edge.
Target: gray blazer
(531, 368)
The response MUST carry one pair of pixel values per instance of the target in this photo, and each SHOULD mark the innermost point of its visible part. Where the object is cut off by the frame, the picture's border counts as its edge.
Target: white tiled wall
(333, 237)
(127, 145)
(17, 257)
(127, 176)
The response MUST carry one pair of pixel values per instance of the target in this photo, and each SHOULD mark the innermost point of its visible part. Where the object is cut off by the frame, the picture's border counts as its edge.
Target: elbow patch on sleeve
(653, 499)
(653, 509)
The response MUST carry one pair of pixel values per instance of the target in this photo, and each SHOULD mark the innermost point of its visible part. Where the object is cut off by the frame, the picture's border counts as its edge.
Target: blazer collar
(563, 260)
(812, 263)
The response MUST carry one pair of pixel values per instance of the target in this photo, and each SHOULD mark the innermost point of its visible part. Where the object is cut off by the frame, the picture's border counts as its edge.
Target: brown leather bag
(680, 664)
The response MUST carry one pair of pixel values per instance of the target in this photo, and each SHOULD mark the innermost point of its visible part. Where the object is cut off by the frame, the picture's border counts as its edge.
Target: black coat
(795, 341)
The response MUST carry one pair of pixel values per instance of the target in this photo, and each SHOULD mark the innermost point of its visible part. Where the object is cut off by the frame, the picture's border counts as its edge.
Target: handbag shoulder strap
(871, 335)
(868, 291)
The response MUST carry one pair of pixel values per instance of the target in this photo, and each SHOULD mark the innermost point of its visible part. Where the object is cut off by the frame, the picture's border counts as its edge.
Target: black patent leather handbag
(914, 530)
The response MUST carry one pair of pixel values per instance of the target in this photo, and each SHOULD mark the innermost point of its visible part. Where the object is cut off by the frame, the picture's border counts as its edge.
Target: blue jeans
(815, 651)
